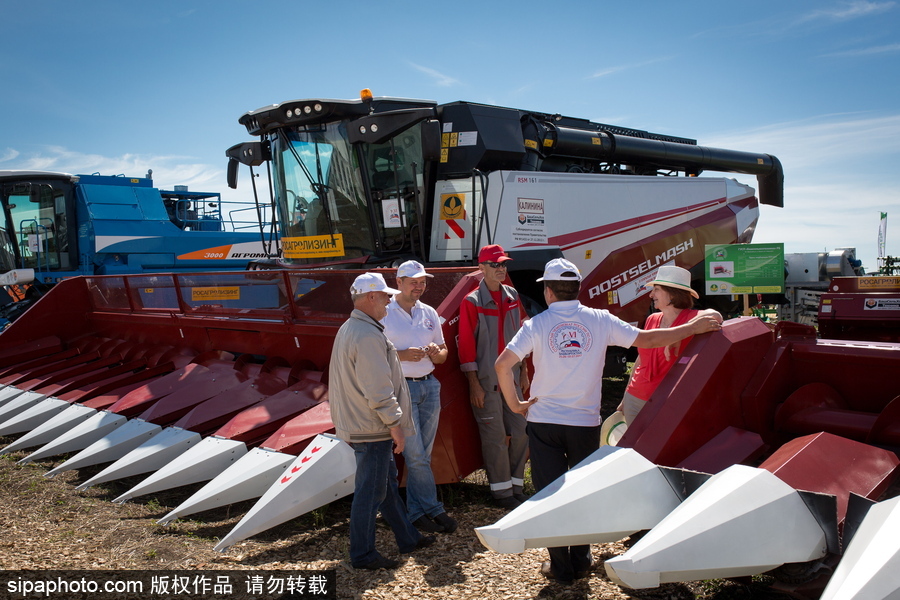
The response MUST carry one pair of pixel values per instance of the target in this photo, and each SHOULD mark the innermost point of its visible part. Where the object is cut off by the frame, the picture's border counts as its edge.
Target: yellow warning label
(454, 139)
(597, 141)
(548, 142)
(445, 154)
(531, 144)
(313, 246)
(877, 283)
(204, 294)
(453, 206)
(149, 290)
(445, 140)
(587, 254)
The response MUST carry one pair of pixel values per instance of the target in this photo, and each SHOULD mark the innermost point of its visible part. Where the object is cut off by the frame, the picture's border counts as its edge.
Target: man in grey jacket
(370, 409)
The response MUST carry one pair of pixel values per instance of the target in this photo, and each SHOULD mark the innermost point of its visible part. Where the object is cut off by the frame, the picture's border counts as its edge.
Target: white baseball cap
(412, 268)
(555, 271)
(371, 282)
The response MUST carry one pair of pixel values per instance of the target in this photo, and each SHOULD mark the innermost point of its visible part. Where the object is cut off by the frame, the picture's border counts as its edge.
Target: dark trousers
(376, 489)
(554, 450)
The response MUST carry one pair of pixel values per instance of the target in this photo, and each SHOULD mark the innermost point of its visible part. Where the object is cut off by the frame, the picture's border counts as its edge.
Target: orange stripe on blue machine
(217, 253)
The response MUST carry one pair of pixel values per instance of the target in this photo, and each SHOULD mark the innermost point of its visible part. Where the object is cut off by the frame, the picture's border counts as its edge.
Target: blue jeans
(421, 492)
(376, 489)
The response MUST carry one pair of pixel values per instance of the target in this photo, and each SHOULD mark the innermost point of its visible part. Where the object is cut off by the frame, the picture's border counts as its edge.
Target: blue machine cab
(61, 225)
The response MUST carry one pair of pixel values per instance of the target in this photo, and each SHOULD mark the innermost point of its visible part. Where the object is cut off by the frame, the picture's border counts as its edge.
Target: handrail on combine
(237, 224)
(206, 211)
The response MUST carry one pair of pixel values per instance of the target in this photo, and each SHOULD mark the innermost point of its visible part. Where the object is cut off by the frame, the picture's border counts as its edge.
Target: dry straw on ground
(47, 524)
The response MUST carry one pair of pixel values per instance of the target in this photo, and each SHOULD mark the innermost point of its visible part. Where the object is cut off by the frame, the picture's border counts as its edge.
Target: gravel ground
(47, 524)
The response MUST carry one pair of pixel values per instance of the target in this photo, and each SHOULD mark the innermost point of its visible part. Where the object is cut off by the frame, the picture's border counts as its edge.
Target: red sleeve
(468, 320)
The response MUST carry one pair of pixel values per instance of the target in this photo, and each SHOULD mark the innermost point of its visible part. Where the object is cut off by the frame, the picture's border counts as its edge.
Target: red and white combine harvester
(222, 377)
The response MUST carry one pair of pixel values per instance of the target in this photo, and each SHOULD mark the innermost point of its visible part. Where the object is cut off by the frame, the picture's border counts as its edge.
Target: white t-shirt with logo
(569, 341)
(413, 331)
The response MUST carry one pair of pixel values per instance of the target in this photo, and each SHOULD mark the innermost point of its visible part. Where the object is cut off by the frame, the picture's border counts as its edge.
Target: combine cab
(378, 180)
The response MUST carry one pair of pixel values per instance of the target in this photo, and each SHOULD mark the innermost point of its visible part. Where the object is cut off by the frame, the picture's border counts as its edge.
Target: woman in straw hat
(673, 297)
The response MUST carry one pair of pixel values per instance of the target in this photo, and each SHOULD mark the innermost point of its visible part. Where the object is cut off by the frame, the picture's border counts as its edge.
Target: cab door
(395, 179)
(37, 234)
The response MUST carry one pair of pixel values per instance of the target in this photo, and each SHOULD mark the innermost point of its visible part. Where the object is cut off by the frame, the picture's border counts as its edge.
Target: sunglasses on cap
(494, 265)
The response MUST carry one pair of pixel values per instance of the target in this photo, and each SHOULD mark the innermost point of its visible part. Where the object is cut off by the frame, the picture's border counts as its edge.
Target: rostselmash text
(638, 270)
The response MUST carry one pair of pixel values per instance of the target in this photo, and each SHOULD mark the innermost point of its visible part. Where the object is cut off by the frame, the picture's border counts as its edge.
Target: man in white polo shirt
(415, 329)
(568, 342)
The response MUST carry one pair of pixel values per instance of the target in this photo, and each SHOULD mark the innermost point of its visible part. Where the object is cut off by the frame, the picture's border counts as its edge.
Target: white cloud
(528, 87)
(168, 171)
(439, 78)
(839, 175)
(607, 71)
(618, 69)
(825, 141)
(820, 218)
(848, 10)
(778, 26)
(873, 50)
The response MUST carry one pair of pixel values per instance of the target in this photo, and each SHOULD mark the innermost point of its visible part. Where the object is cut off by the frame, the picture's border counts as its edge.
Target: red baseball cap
(492, 253)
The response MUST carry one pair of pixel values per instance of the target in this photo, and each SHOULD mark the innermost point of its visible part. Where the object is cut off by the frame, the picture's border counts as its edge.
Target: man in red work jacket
(489, 317)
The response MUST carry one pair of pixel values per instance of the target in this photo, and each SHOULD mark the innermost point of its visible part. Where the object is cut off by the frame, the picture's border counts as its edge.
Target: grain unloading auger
(745, 460)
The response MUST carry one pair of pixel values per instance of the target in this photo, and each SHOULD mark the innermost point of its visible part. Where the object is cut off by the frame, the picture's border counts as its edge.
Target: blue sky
(120, 87)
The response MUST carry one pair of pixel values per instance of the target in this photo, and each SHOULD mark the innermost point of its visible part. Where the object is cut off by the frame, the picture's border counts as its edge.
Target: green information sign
(744, 269)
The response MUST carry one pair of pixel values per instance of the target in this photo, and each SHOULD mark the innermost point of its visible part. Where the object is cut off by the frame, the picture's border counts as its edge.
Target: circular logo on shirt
(570, 340)
(428, 323)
